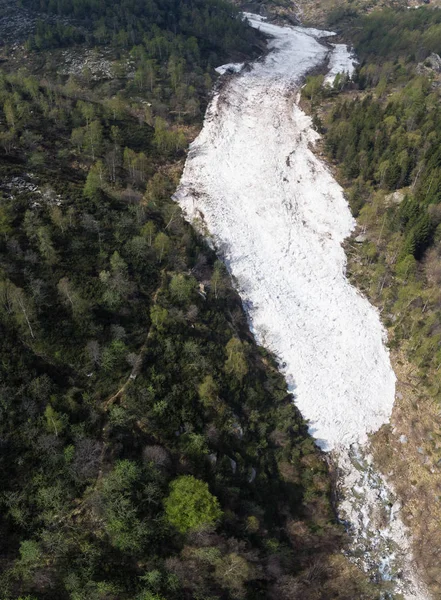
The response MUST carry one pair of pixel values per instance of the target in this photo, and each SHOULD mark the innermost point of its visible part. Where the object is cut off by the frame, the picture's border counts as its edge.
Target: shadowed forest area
(149, 449)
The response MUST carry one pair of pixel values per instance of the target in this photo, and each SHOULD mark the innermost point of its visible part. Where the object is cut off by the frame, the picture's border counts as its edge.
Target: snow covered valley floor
(278, 218)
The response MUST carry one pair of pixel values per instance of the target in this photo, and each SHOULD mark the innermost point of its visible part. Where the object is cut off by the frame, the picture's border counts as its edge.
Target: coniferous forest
(149, 449)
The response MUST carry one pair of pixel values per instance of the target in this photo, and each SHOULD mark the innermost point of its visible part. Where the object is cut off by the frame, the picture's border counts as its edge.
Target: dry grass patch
(407, 451)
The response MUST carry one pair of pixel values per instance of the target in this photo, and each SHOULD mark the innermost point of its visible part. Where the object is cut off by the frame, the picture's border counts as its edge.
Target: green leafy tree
(77, 137)
(162, 245)
(122, 523)
(236, 363)
(218, 279)
(94, 138)
(116, 282)
(55, 422)
(46, 246)
(158, 315)
(30, 559)
(14, 301)
(5, 222)
(190, 505)
(9, 112)
(94, 181)
(148, 231)
(182, 288)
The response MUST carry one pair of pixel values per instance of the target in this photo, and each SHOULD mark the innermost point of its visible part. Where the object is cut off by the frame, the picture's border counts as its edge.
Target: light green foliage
(253, 524)
(122, 524)
(149, 596)
(233, 571)
(5, 222)
(158, 315)
(123, 476)
(182, 288)
(208, 391)
(236, 363)
(194, 445)
(162, 245)
(9, 113)
(152, 579)
(94, 182)
(46, 246)
(313, 88)
(406, 267)
(190, 505)
(30, 559)
(30, 553)
(148, 231)
(116, 283)
(218, 279)
(55, 423)
(77, 137)
(113, 355)
(71, 297)
(15, 303)
(138, 248)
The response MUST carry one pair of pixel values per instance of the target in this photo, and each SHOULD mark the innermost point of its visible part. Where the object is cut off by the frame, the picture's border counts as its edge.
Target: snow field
(279, 219)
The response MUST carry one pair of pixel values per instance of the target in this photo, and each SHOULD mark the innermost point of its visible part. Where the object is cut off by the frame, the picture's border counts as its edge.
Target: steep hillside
(149, 448)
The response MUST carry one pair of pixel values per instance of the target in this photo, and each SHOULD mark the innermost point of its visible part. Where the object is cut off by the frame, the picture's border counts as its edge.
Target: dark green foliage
(85, 468)
(168, 28)
(54, 36)
(380, 144)
(385, 129)
(412, 34)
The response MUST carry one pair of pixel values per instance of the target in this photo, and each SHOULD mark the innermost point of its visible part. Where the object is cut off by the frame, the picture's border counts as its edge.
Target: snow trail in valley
(278, 218)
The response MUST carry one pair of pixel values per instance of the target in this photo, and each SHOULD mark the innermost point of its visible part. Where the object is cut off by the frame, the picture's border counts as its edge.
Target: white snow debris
(280, 218)
(341, 61)
(230, 68)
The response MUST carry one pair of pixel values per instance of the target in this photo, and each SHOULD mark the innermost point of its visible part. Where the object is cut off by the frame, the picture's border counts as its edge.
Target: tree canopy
(190, 505)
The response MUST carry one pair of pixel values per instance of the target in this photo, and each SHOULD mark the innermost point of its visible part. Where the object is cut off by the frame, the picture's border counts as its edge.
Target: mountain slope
(149, 447)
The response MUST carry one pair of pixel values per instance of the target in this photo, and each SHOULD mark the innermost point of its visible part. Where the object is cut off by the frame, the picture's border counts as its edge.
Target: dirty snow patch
(341, 61)
(380, 539)
(230, 68)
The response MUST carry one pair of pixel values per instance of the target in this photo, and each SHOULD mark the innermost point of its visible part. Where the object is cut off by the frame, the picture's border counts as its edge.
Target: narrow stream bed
(277, 217)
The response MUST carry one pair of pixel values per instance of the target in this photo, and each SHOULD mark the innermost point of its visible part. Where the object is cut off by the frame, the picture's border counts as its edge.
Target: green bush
(190, 505)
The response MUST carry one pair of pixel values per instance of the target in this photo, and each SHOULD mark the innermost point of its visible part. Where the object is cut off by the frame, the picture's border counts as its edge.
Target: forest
(382, 135)
(149, 448)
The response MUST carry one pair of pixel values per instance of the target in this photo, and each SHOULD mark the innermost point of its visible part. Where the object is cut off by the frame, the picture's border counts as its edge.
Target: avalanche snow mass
(278, 218)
